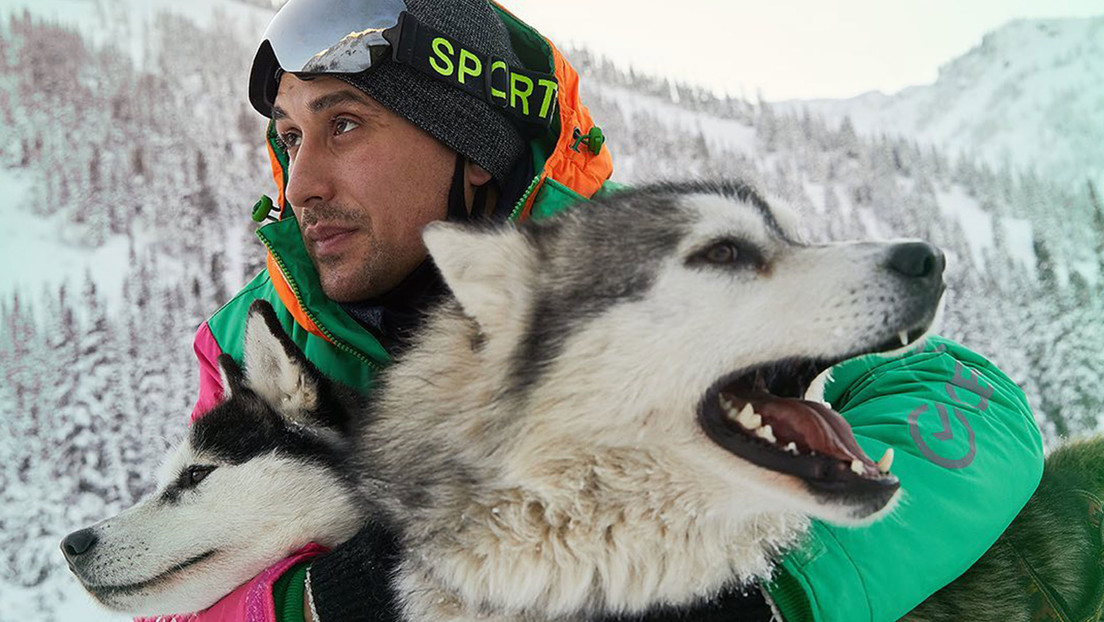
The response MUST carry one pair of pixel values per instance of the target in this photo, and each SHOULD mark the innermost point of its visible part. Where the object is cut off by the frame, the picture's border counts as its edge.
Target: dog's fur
(543, 448)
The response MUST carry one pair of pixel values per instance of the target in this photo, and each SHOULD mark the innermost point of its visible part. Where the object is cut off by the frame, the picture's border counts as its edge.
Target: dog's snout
(78, 543)
(917, 260)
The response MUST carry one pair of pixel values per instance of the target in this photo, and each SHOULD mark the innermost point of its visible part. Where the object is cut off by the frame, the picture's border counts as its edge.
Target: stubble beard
(354, 275)
(351, 279)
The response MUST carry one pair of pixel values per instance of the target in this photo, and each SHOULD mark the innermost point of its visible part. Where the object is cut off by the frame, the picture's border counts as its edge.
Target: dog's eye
(725, 252)
(728, 254)
(194, 474)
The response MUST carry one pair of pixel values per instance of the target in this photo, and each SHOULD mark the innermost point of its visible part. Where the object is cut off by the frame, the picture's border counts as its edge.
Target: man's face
(362, 182)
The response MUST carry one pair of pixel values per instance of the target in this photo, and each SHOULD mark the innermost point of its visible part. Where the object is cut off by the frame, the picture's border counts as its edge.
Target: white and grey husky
(617, 409)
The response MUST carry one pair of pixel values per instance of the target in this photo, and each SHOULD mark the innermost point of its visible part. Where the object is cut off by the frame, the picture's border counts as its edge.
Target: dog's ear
(277, 371)
(488, 271)
(233, 380)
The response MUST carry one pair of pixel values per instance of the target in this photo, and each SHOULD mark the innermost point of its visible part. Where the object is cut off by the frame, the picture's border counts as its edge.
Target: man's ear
(489, 271)
(475, 174)
(277, 371)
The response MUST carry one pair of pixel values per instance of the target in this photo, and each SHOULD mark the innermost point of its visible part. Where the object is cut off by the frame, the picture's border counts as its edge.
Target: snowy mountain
(129, 25)
(1030, 95)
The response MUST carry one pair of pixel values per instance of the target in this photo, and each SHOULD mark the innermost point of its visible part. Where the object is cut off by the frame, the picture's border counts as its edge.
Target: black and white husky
(617, 409)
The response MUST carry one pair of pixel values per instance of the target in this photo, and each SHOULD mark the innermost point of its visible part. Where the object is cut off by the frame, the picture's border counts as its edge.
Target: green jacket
(968, 454)
(963, 483)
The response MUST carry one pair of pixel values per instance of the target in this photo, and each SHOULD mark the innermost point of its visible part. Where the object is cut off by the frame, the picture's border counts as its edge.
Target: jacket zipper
(329, 335)
(525, 197)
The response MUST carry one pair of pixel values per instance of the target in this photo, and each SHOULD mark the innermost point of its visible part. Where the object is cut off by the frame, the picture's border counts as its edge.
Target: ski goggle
(317, 37)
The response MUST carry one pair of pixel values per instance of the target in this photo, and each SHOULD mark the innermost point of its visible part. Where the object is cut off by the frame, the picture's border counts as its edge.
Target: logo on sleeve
(964, 382)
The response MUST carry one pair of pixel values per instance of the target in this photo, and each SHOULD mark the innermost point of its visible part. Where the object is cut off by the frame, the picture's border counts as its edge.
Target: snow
(976, 223)
(815, 193)
(721, 133)
(870, 223)
(1087, 269)
(44, 252)
(1021, 242)
(129, 21)
(59, 598)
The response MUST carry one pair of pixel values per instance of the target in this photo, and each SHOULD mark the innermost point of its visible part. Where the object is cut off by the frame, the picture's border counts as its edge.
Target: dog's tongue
(809, 425)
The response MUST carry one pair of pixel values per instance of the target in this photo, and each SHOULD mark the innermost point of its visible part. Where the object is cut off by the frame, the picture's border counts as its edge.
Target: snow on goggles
(351, 36)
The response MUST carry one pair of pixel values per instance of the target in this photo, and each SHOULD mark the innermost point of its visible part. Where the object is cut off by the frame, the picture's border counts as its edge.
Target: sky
(787, 49)
(781, 49)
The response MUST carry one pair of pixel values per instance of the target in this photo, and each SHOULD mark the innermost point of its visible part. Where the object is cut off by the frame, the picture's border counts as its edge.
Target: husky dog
(616, 410)
(245, 488)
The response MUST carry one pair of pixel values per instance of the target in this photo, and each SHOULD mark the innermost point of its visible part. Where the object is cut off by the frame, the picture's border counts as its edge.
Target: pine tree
(831, 202)
(1064, 350)
(92, 432)
(1098, 233)
(1044, 266)
(766, 127)
(61, 337)
(30, 505)
(846, 139)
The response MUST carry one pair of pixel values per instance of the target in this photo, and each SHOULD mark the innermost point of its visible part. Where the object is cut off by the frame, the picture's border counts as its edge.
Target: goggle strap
(528, 96)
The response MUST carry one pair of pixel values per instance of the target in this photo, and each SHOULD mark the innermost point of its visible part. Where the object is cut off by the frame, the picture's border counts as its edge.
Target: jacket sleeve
(353, 582)
(969, 455)
(207, 352)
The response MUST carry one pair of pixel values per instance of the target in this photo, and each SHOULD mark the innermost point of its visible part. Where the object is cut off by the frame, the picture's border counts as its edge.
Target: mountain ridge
(1029, 96)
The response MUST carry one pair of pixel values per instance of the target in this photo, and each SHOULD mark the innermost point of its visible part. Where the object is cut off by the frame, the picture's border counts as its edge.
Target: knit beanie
(466, 124)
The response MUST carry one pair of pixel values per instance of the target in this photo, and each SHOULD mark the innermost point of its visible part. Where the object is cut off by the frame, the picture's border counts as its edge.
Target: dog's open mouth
(761, 416)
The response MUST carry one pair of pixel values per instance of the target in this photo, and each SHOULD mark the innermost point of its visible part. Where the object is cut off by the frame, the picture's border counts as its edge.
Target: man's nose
(310, 176)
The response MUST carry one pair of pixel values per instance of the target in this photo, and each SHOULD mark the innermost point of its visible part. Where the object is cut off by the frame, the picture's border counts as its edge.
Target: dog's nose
(917, 260)
(78, 543)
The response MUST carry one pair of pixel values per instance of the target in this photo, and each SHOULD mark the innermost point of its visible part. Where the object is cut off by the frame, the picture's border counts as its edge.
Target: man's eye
(344, 125)
(289, 139)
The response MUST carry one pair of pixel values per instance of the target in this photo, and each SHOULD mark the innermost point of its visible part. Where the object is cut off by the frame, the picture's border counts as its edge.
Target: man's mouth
(760, 414)
(328, 239)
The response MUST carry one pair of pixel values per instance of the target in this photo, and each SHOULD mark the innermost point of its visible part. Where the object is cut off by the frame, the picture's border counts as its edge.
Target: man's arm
(968, 454)
(352, 583)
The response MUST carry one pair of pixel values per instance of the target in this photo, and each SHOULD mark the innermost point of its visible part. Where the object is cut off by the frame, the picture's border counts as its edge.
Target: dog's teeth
(766, 433)
(729, 409)
(857, 467)
(749, 418)
(904, 337)
(886, 461)
(792, 448)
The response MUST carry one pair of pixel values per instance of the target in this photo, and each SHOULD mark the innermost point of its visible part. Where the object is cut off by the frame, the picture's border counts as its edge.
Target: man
(383, 121)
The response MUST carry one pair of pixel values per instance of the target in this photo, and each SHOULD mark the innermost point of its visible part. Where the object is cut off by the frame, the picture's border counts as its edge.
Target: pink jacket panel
(210, 379)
